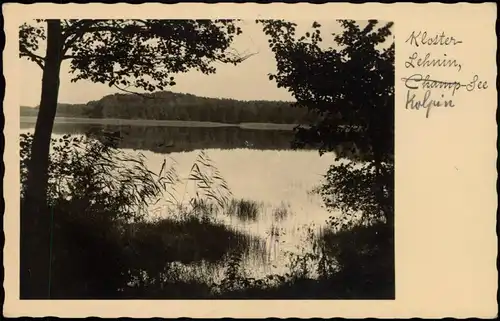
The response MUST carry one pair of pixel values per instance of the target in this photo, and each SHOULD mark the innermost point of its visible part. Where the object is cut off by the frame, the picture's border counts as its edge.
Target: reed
(245, 210)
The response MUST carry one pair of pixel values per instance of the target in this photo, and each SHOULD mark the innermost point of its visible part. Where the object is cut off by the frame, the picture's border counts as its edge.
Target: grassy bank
(187, 241)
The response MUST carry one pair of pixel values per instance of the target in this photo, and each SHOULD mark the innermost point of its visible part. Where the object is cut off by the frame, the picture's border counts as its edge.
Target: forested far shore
(168, 105)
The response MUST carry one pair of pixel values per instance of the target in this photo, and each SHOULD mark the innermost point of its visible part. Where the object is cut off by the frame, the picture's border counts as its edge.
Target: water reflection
(172, 139)
(270, 197)
(269, 181)
(169, 139)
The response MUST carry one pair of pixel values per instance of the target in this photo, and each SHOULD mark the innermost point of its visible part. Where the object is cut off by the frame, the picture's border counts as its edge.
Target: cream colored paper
(445, 168)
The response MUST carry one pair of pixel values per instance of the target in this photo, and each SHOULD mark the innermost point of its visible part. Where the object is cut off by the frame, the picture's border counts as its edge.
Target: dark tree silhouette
(121, 53)
(351, 86)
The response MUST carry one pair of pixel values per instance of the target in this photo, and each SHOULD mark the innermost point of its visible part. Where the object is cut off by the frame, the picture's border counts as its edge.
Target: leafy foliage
(29, 42)
(139, 53)
(350, 85)
(348, 188)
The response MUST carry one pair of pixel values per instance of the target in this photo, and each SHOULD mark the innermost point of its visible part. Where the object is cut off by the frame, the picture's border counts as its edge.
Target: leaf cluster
(350, 84)
(139, 53)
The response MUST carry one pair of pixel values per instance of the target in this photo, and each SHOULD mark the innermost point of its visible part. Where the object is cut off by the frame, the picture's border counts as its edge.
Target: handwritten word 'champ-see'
(417, 81)
(429, 101)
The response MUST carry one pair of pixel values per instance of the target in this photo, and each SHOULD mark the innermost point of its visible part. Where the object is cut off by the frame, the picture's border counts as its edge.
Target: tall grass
(186, 241)
(105, 249)
(245, 210)
(281, 212)
(208, 181)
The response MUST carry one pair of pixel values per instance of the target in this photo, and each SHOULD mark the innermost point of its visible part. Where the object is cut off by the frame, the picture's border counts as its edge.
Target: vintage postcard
(247, 160)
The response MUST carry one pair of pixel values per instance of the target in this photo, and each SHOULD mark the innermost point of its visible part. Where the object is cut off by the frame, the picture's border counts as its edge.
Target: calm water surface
(258, 165)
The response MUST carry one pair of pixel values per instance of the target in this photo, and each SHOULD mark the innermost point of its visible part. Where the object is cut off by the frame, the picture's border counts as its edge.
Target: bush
(364, 256)
(94, 190)
(350, 188)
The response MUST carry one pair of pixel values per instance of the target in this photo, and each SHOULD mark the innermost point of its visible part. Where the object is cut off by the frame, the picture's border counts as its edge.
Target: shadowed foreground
(102, 245)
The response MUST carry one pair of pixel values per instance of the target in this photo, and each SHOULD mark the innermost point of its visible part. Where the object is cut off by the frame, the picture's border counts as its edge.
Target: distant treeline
(167, 105)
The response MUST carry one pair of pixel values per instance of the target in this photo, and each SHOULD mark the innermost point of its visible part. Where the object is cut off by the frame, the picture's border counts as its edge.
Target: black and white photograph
(207, 159)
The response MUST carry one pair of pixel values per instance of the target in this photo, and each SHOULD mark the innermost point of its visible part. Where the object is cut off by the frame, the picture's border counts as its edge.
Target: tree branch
(134, 93)
(88, 26)
(71, 28)
(26, 53)
(236, 57)
(77, 33)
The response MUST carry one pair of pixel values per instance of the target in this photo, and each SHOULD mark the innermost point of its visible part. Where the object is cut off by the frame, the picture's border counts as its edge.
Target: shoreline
(153, 122)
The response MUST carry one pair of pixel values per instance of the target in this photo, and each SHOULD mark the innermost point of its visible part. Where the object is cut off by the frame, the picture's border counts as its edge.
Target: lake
(258, 165)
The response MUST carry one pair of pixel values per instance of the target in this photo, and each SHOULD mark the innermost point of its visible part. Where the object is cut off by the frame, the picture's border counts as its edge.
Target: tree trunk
(380, 180)
(378, 138)
(35, 217)
(381, 183)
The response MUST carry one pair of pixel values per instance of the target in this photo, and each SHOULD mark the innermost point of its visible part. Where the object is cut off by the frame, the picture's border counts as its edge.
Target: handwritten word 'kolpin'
(416, 80)
(421, 38)
(426, 102)
(415, 61)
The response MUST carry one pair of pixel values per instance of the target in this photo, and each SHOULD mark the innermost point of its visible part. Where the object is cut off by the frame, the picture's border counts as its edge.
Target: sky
(246, 81)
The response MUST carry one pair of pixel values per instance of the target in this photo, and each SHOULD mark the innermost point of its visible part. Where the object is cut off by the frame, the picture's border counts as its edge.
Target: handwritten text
(423, 91)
